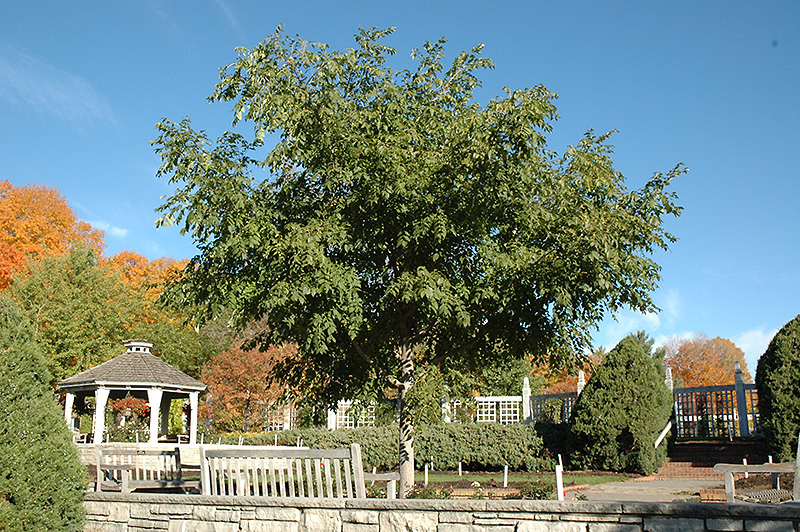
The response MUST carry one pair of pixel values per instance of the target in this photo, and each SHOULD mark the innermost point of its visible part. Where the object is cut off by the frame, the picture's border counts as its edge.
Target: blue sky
(711, 84)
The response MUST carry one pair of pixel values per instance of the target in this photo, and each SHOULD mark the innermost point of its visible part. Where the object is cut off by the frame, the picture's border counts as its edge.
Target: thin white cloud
(109, 229)
(228, 12)
(46, 89)
(754, 343)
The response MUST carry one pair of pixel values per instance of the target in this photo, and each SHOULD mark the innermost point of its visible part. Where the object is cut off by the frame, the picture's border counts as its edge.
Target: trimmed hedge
(478, 446)
(778, 383)
(621, 411)
(42, 481)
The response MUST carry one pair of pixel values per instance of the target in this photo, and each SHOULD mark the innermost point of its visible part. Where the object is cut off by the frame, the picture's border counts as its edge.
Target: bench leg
(730, 491)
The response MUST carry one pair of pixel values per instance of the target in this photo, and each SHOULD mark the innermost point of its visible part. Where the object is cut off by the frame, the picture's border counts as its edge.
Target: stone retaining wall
(115, 512)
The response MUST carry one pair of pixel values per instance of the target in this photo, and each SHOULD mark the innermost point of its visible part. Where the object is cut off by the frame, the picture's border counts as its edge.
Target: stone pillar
(741, 402)
(100, 402)
(527, 417)
(193, 397)
(69, 403)
(154, 398)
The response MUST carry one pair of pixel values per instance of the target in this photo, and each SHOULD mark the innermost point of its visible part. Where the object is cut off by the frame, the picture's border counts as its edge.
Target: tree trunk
(406, 437)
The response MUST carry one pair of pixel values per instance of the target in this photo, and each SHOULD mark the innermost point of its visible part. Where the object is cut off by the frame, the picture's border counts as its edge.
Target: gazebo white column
(193, 396)
(154, 398)
(69, 403)
(100, 402)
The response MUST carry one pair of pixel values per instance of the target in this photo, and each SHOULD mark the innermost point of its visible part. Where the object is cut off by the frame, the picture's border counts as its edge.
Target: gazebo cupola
(137, 373)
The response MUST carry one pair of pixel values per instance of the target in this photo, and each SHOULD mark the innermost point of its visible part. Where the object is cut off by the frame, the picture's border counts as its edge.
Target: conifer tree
(41, 478)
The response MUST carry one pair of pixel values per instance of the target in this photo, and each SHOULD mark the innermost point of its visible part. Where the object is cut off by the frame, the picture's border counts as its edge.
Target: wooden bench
(129, 469)
(288, 472)
(764, 495)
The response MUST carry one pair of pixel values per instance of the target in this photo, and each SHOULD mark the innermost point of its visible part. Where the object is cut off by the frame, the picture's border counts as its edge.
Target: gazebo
(137, 373)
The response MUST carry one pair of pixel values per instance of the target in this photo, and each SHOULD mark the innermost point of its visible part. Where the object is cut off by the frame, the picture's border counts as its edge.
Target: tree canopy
(704, 361)
(35, 221)
(397, 220)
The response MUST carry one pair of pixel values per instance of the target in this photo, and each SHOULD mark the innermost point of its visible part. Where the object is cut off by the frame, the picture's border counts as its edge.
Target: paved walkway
(643, 490)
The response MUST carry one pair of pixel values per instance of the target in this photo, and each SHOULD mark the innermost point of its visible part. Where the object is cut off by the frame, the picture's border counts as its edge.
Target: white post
(581, 381)
(670, 382)
(527, 417)
(69, 402)
(459, 469)
(100, 402)
(560, 480)
(505, 473)
(426, 474)
(744, 462)
(154, 398)
(193, 400)
(332, 420)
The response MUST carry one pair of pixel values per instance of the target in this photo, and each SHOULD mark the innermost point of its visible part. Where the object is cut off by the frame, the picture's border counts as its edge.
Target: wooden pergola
(136, 373)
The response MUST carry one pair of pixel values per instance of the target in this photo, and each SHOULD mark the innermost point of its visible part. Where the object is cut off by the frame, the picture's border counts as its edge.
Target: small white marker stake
(459, 469)
(505, 476)
(559, 479)
(746, 474)
(426, 474)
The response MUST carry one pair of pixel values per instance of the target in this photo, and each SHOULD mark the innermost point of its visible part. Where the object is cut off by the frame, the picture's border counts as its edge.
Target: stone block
(464, 527)
(614, 527)
(368, 517)
(359, 527)
(409, 521)
(140, 510)
(229, 516)
(95, 526)
(677, 524)
(96, 508)
(455, 517)
(171, 509)
(769, 526)
(278, 513)
(724, 524)
(203, 513)
(550, 526)
(190, 525)
(119, 513)
(269, 526)
(316, 520)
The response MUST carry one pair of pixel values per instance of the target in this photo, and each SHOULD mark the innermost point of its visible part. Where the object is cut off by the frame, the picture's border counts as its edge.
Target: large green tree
(396, 220)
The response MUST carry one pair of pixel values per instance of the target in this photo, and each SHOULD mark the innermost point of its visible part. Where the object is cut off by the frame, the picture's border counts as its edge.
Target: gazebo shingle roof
(134, 367)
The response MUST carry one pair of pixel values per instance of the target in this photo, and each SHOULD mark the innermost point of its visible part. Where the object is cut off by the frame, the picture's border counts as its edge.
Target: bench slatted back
(314, 473)
(145, 464)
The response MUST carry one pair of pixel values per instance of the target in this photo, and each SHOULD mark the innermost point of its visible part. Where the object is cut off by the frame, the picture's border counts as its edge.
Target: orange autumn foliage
(36, 220)
(140, 273)
(240, 385)
(566, 380)
(704, 361)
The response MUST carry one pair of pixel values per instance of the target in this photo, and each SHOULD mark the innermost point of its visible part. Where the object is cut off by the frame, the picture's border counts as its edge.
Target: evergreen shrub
(621, 412)
(478, 446)
(42, 481)
(778, 383)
